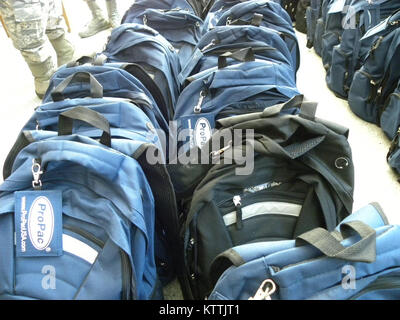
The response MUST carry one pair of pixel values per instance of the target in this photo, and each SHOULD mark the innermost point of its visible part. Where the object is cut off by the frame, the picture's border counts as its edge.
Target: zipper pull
(36, 173)
(265, 291)
(237, 201)
(215, 154)
(376, 44)
(211, 44)
(197, 108)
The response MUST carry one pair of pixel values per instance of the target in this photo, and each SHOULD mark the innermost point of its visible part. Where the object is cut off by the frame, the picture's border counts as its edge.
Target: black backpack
(302, 178)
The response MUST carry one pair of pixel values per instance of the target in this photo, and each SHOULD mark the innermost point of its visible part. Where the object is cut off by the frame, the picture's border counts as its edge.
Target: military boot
(42, 72)
(64, 49)
(97, 24)
(113, 15)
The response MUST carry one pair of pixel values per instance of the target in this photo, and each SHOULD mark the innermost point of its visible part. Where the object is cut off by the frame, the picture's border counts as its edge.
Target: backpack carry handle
(89, 116)
(243, 55)
(329, 243)
(96, 89)
(256, 21)
(307, 111)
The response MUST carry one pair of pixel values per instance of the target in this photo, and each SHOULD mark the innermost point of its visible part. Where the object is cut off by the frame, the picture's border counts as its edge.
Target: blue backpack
(266, 44)
(216, 10)
(368, 86)
(333, 29)
(393, 155)
(390, 116)
(139, 44)
(180, 27)
(268, 14)
(346, 55)
(83, 228)
(119, 124)
(235, 89)
(107, 80)
(139, 6)
(320, 26)
(313, 13)
(359, 260)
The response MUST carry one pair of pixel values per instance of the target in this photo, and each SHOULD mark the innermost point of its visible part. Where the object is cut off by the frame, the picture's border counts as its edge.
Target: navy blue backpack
(180, 27)
(320, 26)
(268, 14)
(265, 43)
(390, 114)
(226, 90)
(359, 260)
(139, 6)
(393, 155)
(123, 126)
(369, 84)
(74, 225)
(347, 56)
(100, 80)
(333, 30)
(216, 10)
(313, 13)
(142, 45)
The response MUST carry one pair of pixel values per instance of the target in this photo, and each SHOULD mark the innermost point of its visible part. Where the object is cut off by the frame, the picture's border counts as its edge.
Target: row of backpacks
(184, 150)
(358, 41)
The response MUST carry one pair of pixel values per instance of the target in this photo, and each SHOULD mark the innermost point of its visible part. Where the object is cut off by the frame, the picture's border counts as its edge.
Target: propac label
(202, 132)
(38, 223)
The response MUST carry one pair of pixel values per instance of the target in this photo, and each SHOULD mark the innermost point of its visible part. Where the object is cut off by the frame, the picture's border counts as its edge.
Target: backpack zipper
(384, 282)
(237, 201)
(203, 94)
(126, 276)
(126, 269)
(211, 44)
(85, 234)
(255, 192)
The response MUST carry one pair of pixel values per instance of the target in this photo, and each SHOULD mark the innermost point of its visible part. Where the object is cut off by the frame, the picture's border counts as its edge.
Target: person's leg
(113, 15)
(98, 22)
(26, 22)
(55, 31)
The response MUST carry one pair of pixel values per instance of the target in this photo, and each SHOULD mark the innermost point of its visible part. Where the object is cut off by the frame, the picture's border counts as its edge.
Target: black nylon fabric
(305, 162)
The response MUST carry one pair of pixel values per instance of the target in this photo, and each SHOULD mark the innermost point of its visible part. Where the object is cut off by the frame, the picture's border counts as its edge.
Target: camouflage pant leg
(55, 24)
(28, 21)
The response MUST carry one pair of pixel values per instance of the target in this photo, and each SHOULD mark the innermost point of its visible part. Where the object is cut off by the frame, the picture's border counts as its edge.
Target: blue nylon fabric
(364, 88)
(180, 27)
(313, 13)
(260, 81)
(97, 188)
(347, 56)
(150, 48)
(116, 82)
(237, 83)
(139, 6)
(302, 273)
(126, 121)
(274, 17)
(237, 37)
